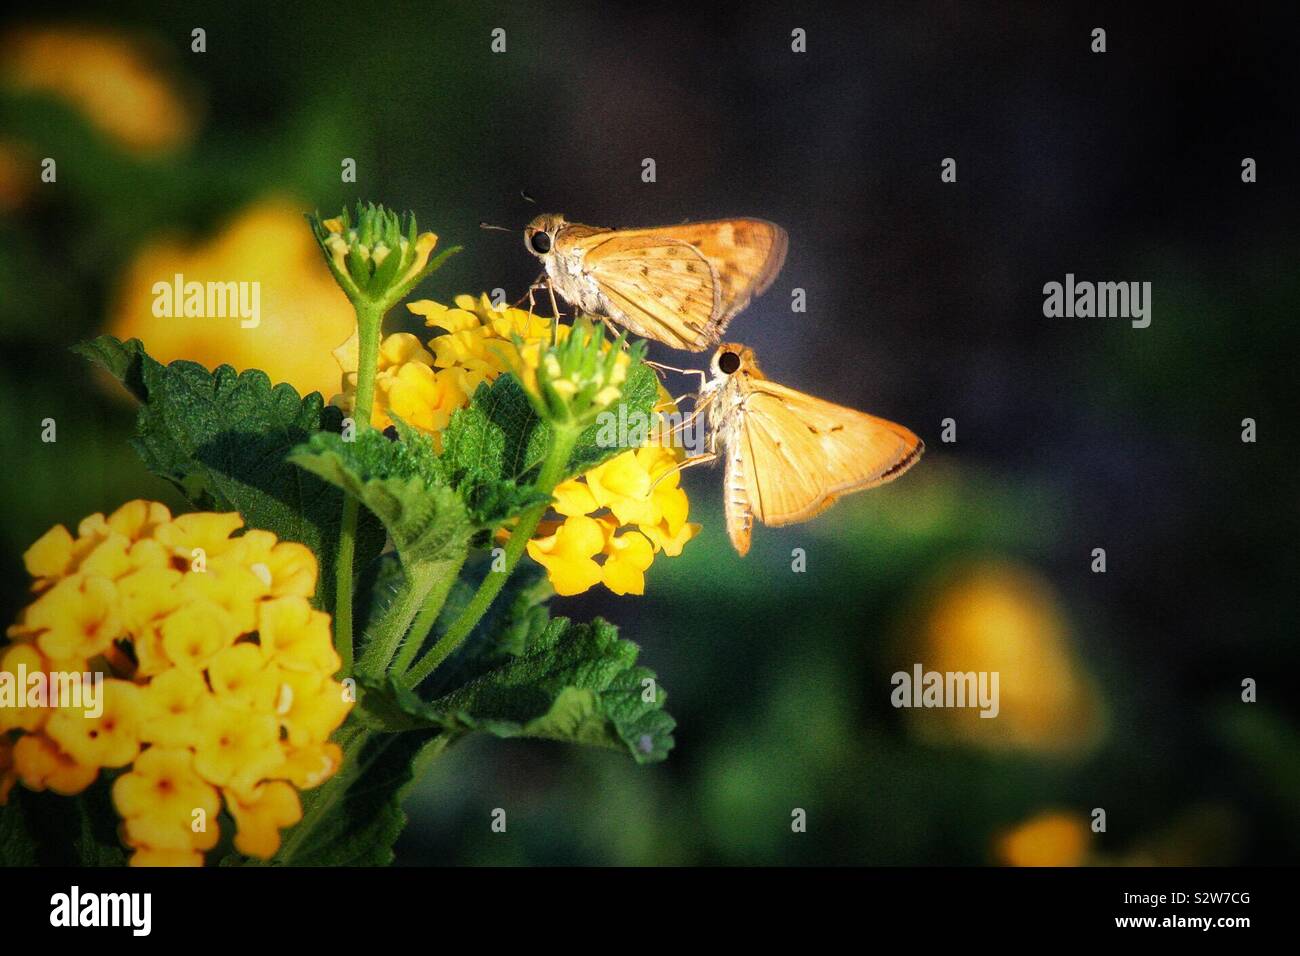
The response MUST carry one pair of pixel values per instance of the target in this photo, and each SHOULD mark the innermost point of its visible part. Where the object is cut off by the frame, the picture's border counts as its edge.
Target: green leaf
(222, 437)
(640, 395)
(515, 620)
(499, 438)
(493, 503)
(355, 817)
(496, 436)
(46, 829)
(576, 683)
(402, 483)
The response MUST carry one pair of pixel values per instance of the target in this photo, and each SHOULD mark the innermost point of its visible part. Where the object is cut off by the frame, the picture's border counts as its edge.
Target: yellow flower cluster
(215, 678)
(624, 511)
(423, 386)
(627, 510)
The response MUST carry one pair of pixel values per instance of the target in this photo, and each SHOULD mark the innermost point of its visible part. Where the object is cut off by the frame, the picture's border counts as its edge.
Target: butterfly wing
(656, 287)
(747, 254)
(798, 454)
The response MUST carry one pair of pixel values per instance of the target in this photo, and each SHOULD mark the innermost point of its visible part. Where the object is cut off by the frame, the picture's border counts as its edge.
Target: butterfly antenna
(488, 225)
(527, 198)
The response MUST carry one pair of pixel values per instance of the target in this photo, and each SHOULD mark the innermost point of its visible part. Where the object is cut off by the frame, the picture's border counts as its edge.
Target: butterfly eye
(540, 243)
(728, 362)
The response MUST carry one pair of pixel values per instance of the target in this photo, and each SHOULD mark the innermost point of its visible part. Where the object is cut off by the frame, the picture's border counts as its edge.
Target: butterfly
(679, 285)
(790, 456)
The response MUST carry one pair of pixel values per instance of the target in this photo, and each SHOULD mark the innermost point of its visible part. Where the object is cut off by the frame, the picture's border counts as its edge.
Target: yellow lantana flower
(215, 678)
(568, 555)
(158, 800)
(640, 509)
(628, 555)
(39, 764)
(262, 814)
(423, 384)
(110, 740)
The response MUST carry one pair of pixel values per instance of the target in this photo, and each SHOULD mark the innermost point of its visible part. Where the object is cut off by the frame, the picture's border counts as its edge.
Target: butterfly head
(539, 235)
(733, 359)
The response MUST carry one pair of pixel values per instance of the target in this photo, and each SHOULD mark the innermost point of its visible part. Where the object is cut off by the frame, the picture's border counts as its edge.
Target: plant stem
(370, 320)
(426, 586)
(428, 616)
(553, 470)
(343, 582)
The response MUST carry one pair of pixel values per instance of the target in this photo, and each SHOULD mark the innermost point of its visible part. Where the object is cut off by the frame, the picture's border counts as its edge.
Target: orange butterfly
(679, 285)
(789, 456)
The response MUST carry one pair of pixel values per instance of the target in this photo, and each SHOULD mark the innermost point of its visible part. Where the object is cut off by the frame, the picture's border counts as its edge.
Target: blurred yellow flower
(303, 313)
(996, 616)
(215, 677)
(1052, 838)
(114, 79)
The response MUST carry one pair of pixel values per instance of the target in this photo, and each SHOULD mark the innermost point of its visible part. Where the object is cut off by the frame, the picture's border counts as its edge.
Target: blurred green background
(1120, 690)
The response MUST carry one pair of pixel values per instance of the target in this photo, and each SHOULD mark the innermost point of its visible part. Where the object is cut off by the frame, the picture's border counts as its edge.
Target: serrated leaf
(576, 683)
(493, 503)
(222, 437)
(490, 438)
(500, 438)
(515, 620)
(354, 819)
(402, 484)
(640, 395)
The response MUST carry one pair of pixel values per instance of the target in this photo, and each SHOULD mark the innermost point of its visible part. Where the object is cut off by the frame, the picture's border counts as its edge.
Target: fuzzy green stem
(370, 321)
(426, 585)
(343, 583)
(553, 470)
(427, 617)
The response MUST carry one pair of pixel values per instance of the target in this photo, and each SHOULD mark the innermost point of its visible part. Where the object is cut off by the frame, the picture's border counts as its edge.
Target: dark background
(924, 303)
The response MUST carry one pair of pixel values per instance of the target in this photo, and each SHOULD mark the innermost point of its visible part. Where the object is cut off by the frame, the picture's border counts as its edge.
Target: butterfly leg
(680, 435)
(685, 463)
(528, 295)
(660, 367)
(555, 312)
